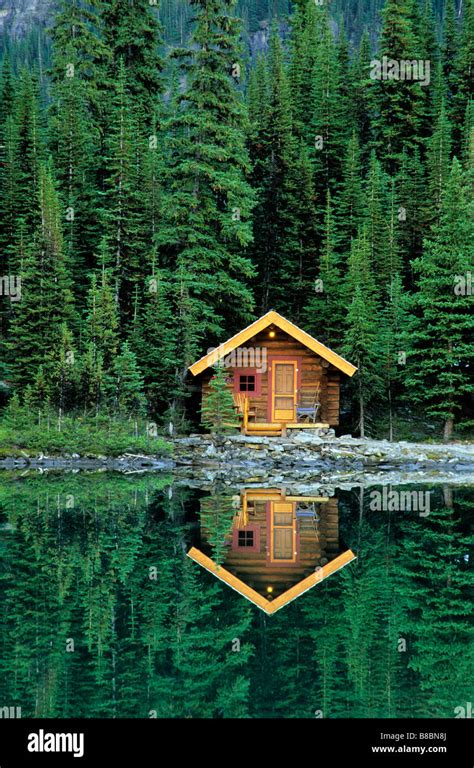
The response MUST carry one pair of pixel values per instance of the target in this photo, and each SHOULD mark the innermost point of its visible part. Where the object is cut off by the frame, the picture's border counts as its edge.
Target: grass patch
(101, 436)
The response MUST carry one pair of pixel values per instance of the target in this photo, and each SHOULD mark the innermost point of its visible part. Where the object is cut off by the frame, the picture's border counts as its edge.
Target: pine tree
(273, 153)
(350, 203)
(362, 341)
(101, 323)
(154, 342)
(75, 137)
(298, 247)
(449, 49)
(127, 387)
(361, 100)
(133, 34)
(9, 194)
(378, 224)
(47, 300)
(208, 201)
(412, 213)
(29, 152)
(330, 127)
(93, 380)
(79, 50)
(463, 73)
(125, 212)
(438, 160)
(439, 365)
(393, 320)
(400, 104)
(62, 367)
(325, 309)
(218, 412)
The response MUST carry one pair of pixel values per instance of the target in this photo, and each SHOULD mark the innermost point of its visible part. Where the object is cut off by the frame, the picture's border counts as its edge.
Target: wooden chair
(242, 406)
(309, 412)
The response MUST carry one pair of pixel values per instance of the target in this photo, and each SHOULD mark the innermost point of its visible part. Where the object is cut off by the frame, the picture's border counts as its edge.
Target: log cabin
(274, 547)
(280, 377)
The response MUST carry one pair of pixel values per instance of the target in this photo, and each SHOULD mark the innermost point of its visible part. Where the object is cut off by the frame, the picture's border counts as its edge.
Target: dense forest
(161, 188)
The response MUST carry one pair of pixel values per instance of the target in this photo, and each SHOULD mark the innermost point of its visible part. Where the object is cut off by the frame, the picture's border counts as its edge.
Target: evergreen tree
(101, 324)
(438, 160)
(154, 342)
(62, 368)
(208, 201)
(218, 412)
(133, 35)
(127, 387)
(401, 104)
(325, 309)
(379, 224)
(125, 211)
(46, 294)
(350, 206)
(362, 341)
(273, 154)
(29, 152)
(439, 349)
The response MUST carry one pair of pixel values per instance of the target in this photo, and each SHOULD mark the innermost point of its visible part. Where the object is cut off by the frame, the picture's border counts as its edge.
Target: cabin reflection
(268, 545)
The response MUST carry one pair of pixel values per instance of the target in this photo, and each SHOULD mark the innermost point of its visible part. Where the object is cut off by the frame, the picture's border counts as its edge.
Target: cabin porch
(250, 425)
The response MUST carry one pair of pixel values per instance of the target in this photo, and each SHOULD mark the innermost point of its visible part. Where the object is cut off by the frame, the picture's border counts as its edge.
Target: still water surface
(103, 614)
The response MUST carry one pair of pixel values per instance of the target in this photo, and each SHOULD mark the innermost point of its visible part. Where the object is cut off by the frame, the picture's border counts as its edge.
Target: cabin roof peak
(272, 318)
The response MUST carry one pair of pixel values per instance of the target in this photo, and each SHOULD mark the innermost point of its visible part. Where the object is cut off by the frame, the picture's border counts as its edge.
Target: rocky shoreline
(305, 452)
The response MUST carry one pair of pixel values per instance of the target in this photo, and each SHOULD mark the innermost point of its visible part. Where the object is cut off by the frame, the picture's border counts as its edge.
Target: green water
(103, 615)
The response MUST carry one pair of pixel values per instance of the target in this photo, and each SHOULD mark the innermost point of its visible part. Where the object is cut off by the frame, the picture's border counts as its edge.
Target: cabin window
(246, 539)
(247, 381)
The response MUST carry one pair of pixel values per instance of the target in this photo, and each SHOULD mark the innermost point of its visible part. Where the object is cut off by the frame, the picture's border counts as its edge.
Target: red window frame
(238, 372)
(256, 538)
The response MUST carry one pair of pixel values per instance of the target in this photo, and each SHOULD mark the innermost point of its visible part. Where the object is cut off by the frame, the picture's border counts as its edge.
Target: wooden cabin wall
(314, 371)
(253, 567)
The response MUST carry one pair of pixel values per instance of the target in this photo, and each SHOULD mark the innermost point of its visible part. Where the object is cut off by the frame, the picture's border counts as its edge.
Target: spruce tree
(439, 161)
(218, 412)
(400, 104)
(125, 211)
(324, 312)
(350, 203)
(47, 300)
(126, 387)
(362, 336)
(154, 342)
(132, 33)
(273, 152)
(208, 201)
(101, 322)
(438, 343)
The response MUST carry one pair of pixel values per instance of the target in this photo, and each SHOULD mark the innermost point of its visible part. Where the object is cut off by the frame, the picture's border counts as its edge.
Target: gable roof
(271, 606)
(272, 318)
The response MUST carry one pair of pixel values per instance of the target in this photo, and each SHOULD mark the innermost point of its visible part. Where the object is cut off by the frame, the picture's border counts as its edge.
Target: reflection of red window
(247, 381)
(246, 539)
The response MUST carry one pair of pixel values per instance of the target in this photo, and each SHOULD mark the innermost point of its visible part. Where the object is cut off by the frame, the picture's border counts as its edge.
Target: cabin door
(284, 375)
(283, 533)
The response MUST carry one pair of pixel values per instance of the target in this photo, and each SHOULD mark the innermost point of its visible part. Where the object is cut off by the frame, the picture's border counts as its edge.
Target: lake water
(103, 614)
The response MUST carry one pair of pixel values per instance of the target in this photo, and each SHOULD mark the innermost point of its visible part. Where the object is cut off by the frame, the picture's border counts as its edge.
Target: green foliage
(218, 412)
(439, 340)
(28, 431)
